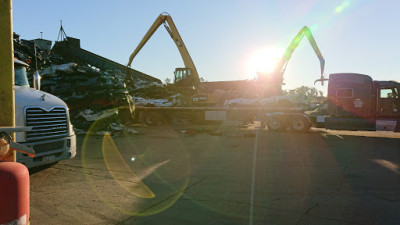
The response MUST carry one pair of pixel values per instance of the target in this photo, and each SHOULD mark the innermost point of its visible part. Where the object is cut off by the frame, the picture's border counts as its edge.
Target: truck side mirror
(36, 80)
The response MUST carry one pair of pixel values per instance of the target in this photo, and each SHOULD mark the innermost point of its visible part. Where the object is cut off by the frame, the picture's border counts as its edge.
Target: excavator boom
(169, 25)
(280, 69)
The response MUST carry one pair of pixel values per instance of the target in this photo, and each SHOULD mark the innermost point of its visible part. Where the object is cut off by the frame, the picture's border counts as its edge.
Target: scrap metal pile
(90, 94)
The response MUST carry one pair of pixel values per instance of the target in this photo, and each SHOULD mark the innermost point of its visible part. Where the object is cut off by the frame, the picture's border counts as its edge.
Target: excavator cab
(182, 74)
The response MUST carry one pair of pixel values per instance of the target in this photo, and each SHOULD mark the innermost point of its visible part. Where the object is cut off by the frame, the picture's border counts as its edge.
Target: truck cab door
(388, 102)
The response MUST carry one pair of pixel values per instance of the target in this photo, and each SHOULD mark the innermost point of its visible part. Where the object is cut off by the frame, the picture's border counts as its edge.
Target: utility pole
(7, 101)
(14, 177)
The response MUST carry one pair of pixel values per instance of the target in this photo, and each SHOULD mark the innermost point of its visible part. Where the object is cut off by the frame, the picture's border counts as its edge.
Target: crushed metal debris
(90, 93)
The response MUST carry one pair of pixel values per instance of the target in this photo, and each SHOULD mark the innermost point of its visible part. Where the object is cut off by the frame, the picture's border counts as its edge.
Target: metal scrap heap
(89, 92)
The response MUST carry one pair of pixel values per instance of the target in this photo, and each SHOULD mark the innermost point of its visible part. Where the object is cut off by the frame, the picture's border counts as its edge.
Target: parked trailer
(276, 118)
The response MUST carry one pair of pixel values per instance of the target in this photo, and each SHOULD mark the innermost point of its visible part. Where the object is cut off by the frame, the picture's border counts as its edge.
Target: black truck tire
(276, 123)
(299, 124)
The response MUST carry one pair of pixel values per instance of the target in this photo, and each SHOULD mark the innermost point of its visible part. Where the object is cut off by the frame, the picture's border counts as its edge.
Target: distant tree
(310, 94)
(167, 81)
(202, 79)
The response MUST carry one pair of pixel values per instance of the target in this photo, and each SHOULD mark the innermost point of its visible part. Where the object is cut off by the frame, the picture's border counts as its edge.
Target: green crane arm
(281, 67)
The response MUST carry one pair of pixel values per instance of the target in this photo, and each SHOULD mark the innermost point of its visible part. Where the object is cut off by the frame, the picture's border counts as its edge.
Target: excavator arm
(281, 67)
(181, 74)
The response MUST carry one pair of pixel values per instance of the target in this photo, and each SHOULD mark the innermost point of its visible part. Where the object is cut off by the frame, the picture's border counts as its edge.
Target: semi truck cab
(52, 136)
(356, 102)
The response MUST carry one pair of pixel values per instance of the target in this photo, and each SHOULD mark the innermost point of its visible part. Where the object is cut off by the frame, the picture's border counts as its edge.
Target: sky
(224, 37)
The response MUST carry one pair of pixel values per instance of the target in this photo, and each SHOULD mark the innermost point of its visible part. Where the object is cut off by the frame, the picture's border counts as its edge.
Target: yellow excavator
(271, 83)
(183, 77)
(186, 80)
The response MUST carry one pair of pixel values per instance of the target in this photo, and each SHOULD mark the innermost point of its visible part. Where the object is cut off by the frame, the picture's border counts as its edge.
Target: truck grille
(46, 124)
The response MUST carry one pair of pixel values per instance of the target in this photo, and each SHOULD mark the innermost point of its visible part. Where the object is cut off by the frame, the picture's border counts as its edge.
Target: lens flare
(121, 172)
(345, 4)
(263, 61)
(134, 176)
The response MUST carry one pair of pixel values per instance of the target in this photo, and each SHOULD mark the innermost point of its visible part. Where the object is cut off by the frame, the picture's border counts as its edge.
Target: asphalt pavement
(234, 176)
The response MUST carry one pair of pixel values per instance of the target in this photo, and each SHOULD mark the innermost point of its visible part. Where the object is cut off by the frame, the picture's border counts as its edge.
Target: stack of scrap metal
(90, 94)
(82, 86)
(86, 90)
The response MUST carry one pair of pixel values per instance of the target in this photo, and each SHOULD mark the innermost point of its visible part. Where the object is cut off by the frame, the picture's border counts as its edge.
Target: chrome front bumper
(49, 151)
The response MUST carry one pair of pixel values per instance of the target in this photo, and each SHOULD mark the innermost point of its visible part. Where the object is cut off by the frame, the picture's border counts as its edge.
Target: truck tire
(299, 124)
(276, 124)
(151, 119)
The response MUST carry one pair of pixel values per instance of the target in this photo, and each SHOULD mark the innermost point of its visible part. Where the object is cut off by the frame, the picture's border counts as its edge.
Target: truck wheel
(276, 124)
(299, 124)
(151, 119)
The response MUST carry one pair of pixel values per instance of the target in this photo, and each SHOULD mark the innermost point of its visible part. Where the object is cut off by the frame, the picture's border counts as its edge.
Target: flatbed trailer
(355, 102)
(274, 117)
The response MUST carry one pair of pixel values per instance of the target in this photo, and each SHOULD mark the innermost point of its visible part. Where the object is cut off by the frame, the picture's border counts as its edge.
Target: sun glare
(263, 61)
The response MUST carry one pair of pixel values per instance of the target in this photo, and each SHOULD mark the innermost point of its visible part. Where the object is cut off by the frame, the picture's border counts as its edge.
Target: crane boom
(190, 70)
(281, 67)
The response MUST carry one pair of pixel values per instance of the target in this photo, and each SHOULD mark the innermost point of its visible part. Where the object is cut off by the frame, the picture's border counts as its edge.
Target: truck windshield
(20, 78)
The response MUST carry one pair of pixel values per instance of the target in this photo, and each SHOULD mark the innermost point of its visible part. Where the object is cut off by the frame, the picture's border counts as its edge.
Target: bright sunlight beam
(263, 61)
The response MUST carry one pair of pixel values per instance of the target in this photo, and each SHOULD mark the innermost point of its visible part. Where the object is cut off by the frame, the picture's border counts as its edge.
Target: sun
(263, 61)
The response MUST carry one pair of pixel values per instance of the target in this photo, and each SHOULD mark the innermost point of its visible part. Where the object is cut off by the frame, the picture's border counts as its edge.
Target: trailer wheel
(299, 124)
(275, 124)
(151, 119)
